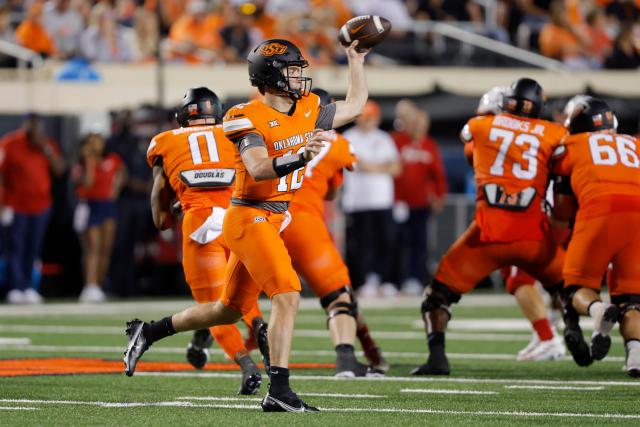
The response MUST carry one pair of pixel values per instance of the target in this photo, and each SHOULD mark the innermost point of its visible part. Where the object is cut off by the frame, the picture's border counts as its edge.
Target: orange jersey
(198, 162)
(511, 160)
(282, 134)
(604, 170)
(324, 172)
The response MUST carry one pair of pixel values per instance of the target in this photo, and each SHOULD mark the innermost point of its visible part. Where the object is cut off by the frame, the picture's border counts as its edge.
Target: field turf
(487, 385)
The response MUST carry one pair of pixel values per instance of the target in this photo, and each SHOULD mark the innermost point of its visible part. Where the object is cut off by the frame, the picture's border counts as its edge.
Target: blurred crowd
(580, 33)
(106, 183)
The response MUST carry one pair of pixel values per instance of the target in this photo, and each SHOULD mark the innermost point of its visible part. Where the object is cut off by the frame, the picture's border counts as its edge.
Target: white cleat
(552, 349)
(522, 354)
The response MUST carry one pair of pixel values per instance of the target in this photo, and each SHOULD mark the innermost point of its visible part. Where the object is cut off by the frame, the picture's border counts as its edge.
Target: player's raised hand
(355, 54)
(315, 144)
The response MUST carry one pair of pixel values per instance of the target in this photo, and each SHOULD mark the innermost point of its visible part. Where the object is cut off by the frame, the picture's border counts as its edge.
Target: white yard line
(105, 350)
(522, 414)
(17, 408)
(444, 391)
(221, 399)
(14, 341)
(551, 387)
(402, 379)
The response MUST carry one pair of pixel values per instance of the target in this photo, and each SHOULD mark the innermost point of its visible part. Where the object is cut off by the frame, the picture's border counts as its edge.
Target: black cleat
(352, 368)
(260, 328)
(251, 378)
(136, 347)
(574, 339)
(436, 365)
(288, 402)
(601, 341)
(198, 349)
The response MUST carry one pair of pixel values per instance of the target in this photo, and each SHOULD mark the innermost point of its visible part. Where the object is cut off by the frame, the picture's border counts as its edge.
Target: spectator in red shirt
(419, 191)
(99, 177)
(27, 159)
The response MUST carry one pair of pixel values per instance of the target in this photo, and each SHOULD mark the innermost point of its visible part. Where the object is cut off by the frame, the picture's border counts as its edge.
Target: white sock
(596, 309)
(633, 344)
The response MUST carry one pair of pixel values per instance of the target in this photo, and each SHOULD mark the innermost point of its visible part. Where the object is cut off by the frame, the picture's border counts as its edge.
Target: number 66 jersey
(604, 171)
(511, 161)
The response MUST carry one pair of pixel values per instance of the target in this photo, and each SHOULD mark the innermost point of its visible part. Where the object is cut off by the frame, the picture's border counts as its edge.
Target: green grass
(618, 398)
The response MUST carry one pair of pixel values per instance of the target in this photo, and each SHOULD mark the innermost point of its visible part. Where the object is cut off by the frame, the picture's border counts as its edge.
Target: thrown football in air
(369, 30)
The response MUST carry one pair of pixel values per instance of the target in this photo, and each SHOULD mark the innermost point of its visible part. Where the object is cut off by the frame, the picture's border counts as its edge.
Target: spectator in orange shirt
(32, 34)
(559, 40)
(27, 159)
(195, 37)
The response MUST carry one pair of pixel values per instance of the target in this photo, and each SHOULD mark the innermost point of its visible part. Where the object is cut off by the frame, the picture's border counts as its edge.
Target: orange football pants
(515, 278)
(314, 255)
(470, 260)
(259, 261)
(204, 269)
(598, 241)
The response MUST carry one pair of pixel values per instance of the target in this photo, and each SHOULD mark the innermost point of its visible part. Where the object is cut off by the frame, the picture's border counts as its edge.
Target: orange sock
(253, 313)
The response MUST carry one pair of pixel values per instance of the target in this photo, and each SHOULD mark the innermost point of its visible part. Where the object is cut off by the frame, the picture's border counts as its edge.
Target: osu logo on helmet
(273, 49)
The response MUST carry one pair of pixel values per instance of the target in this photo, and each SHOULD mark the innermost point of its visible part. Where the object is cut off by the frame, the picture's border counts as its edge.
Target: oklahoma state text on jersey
(511, 157)
(604, 170)
(283, 134)
(323, 172)
(198, 155)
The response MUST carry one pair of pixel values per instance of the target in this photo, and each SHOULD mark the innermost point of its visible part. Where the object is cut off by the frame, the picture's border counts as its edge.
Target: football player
(601, 169)
(195, 162)
(316, 258)
(511, 151)
(545, 344)
(274, 139)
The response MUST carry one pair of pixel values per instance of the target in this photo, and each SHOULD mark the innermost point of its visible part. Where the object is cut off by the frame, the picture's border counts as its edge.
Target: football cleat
(198, 352)
(376, 359)
(251, 378)
(136, 347)
(436, 365)
(288, 402)
(353, 368)
(575, 340)
(600, 340)
(632, 361)
(522, 354)
(260, 328)
(552, 349)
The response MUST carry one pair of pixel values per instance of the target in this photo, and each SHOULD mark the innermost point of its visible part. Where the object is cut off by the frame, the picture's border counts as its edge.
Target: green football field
(487, 385)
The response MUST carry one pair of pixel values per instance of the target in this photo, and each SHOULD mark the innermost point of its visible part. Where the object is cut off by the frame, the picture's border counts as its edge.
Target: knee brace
(340, 308)
(438, 295)
(567, 295)
(627, 303)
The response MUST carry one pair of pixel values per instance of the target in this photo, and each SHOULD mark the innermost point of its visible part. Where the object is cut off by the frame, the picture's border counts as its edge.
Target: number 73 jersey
(513, 152)
(511, 161)
(199, 164)
(602, 166)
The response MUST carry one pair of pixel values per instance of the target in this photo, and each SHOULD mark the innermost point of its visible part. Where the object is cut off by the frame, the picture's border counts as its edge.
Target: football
(369, 30)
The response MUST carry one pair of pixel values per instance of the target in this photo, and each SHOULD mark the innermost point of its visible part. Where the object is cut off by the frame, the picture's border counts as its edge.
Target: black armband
(562, 185)
(286, 164)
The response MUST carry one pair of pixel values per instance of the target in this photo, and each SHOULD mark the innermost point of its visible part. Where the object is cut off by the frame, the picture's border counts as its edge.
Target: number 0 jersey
(511, 160)
(198, 162)
(282, 134)
(604, 170)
